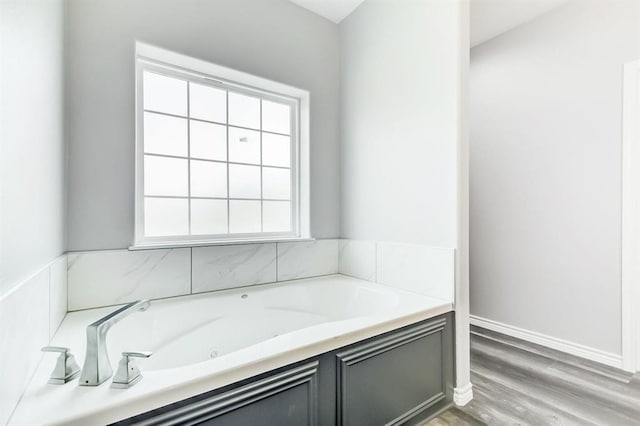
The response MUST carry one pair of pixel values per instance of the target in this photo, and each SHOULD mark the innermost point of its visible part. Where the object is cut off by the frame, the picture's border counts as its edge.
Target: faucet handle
(128, 373)
(66, 368)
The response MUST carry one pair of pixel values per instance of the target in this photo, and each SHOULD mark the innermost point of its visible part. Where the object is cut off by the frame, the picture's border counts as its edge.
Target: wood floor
(519, 383)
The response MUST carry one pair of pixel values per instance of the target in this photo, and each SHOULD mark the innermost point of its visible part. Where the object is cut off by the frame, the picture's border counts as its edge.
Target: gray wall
(399, 86)
(32, 196)
(545, 172)
(269, 38)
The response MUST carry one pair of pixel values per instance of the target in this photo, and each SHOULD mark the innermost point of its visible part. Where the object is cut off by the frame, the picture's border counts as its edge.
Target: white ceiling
(333, 10)
(490, 18)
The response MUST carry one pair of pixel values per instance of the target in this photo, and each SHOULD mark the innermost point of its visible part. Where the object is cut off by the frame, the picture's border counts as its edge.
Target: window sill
(185, 244)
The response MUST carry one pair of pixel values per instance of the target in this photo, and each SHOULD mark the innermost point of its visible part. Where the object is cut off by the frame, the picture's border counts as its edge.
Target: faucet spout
(97, 367)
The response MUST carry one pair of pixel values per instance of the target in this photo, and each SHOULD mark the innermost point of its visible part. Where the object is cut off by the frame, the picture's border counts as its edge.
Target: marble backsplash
(222, 267)
(111, 277)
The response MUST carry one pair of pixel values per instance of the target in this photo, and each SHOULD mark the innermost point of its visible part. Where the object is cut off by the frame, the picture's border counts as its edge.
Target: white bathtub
(205, 341)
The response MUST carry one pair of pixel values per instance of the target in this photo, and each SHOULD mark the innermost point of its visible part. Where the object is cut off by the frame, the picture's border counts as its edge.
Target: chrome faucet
(97, 367)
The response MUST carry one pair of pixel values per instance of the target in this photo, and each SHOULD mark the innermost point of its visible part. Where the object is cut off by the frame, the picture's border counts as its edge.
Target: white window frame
(161, 61)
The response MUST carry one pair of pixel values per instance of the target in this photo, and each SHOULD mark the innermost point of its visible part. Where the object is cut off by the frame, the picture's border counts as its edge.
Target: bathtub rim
(110, 405)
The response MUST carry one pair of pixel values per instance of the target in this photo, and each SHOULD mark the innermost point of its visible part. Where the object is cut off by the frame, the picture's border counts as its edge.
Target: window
(217, 160)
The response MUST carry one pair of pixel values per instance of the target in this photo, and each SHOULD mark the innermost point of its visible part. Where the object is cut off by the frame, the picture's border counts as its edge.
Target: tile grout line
(49, 306)
(16, 285)
(375, 262)
(66, 284)
(338, 244)
(277, 262)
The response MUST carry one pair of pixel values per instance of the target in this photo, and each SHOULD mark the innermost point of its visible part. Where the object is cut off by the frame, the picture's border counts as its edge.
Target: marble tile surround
(103, 278)
(222, 267)
(111, 277)
(307, 259)
(358, 259)
(29, 316)
(418, 268)
(58, 296)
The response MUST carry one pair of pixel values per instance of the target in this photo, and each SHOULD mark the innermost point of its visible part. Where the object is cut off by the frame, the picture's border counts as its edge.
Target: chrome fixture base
(128, 373)
(66, 368)
(97, 367)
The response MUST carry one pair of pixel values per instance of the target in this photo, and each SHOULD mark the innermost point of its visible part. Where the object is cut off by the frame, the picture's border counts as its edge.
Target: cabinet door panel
(288, 397)
(287, 408)
(389, 380)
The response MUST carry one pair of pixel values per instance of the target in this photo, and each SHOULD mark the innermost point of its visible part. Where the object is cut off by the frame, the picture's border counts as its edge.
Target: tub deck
(206, 341)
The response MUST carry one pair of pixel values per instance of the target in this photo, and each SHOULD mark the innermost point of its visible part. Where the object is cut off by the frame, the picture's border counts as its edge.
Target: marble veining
(223, 267)
(307, 259)
(357, 259)
(111, 277)
(24, 316)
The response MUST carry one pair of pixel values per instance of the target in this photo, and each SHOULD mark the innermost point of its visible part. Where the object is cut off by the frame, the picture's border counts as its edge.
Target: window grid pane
(240, 170)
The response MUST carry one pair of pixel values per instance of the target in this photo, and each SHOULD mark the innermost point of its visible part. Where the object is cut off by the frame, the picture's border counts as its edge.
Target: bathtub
(205, 341)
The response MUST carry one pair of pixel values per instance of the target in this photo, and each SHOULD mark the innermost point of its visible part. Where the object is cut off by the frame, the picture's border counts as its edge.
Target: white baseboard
(586, 352)
(463, 395)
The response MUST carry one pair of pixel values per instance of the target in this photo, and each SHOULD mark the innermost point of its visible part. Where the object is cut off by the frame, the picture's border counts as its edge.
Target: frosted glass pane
(208, 141)
(207, 103)
(164, 94)
(165, 176)
(208, 217)
(244, 216)
(276, 117)
(166, 216)
(244, 181)
(244, 111)
(276, 150)
(276, 216)
(276, 183)
(165, 135)
(244, 145)
(208, 179)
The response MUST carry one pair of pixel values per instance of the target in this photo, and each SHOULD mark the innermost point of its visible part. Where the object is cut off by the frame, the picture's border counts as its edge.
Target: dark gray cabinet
(392, 379)
(400, 377)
